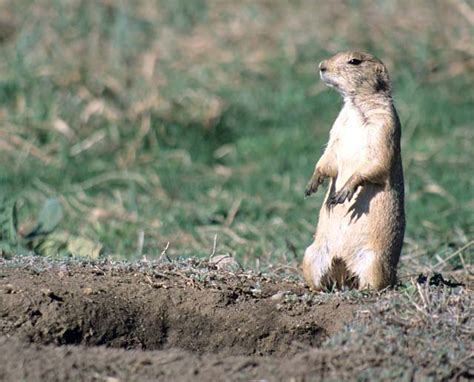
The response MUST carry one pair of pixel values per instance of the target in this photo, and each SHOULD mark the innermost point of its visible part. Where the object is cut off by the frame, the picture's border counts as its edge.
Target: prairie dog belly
(346, 228)
(351, 136)
(348, 225)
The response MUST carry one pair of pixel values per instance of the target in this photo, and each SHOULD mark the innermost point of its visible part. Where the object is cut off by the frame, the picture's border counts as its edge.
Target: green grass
(221, 143)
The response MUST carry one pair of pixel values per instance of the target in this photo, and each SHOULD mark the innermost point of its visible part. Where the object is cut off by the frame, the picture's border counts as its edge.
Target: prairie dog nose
(322, 66)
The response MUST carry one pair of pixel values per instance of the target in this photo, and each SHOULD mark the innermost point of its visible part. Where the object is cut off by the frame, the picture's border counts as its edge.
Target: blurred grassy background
(198, 122)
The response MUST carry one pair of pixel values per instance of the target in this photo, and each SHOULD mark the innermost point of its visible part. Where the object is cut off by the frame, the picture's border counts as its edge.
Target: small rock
(87, 291)
(46, 291)
(278, 296)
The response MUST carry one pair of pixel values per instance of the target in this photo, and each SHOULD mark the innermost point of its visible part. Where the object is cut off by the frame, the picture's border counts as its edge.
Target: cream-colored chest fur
(349, 139)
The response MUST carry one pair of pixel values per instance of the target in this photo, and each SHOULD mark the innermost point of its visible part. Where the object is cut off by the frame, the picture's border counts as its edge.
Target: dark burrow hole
(253, 328)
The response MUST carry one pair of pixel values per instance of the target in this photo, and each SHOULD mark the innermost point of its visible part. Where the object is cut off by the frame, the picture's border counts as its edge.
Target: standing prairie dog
(361, 224)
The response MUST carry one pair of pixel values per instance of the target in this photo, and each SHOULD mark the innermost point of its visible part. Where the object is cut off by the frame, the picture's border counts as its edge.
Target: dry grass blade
(164, 253)
(29, 148)
(444, 261)
(88, 143)
(232, 212)
(464, 9)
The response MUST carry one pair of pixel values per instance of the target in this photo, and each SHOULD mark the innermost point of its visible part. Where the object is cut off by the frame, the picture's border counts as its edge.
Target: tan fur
(361, 224)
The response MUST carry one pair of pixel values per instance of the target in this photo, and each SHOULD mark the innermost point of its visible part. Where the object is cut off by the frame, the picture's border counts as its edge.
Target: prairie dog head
(355, 74)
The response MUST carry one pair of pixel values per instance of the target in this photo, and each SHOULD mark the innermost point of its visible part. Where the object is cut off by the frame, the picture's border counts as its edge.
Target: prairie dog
(361, 224)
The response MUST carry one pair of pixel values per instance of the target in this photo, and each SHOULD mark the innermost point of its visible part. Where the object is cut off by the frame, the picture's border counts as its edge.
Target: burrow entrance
(154, 310)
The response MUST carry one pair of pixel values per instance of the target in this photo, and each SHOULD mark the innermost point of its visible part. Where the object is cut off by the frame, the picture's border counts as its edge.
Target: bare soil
(156, 321)
(148, 321)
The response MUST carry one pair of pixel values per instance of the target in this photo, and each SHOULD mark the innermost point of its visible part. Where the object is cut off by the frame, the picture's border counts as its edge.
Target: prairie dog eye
(354, 61)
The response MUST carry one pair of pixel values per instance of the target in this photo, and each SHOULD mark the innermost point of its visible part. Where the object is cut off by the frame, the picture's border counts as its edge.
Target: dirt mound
(190, 321)
(156, 307)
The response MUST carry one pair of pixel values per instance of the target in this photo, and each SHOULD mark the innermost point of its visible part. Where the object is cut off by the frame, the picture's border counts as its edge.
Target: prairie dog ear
(380, 68)
(382, 82)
